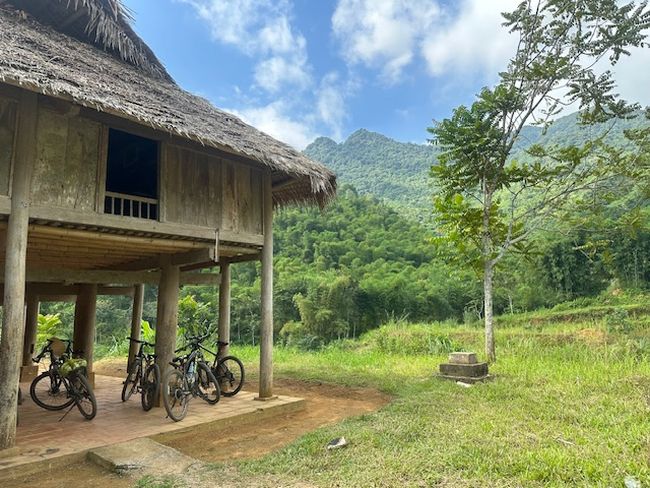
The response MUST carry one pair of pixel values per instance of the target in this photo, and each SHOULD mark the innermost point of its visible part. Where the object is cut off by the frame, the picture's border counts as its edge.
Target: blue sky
(307, 68)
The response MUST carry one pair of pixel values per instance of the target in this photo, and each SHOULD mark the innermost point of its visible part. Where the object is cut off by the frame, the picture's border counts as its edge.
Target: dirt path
(325, 404)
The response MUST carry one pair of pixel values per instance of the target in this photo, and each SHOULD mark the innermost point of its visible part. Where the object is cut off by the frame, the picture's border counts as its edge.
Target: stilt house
(112, 176)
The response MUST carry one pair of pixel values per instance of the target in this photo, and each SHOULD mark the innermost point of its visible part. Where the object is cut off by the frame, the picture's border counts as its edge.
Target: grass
(569, 406)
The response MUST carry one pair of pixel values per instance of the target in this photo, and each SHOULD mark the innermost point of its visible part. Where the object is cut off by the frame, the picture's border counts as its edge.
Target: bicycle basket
(71, 365)
(58, 346)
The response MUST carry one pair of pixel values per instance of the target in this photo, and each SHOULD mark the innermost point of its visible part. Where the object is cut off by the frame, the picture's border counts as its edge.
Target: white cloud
(262, 30)
(383, 33)
(331, 102)
(471, 41)
(274, 119)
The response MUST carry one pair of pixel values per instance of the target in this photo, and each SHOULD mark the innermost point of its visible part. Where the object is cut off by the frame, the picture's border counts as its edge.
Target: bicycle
(190, 376)
(64, 383)
(143, 376)
(229, 372)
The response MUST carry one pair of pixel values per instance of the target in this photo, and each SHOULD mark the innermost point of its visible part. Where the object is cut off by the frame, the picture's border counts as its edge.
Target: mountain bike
(190, 376)
(64, 383)
(229, 372)
(143, 376)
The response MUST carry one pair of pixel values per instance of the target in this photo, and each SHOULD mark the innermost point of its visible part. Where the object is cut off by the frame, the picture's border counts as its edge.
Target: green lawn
(569, 406)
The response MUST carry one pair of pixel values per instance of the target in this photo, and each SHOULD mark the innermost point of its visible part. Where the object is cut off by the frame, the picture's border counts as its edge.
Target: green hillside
(374, 164)
(398, 172)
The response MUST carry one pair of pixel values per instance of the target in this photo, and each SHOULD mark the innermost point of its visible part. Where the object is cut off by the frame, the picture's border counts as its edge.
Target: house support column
(224, 306)
(136, 321)
(29, 370)
(83, 339)
(167, 317)
(266, 332)
(13, 317)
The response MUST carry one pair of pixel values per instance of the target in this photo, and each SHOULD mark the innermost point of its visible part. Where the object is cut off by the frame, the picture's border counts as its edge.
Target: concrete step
(141, 456)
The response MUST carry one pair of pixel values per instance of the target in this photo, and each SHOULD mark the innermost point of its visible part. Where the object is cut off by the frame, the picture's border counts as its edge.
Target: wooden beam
(31, 326)
(13, 317)
(114, 277)
(266, 329)
(84, 325)
(224, 307)
(45, 289)
(136, 322)
(69, 216)
(202, 255)
(167, 317)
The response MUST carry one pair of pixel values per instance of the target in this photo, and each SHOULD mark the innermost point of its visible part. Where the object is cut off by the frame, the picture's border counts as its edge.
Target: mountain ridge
(398, 172)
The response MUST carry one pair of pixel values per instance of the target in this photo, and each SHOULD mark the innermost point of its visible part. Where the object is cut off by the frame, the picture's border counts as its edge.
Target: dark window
(132, 165)
(131, 176)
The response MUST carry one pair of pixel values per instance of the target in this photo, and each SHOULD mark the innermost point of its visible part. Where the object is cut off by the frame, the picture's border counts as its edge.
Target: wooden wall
(197, 188)
(67, 156)
(201, 189)
(8, 110)
(242, 199)
(191, 183)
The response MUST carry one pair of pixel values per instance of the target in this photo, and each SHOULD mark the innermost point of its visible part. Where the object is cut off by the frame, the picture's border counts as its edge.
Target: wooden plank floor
(42, 436)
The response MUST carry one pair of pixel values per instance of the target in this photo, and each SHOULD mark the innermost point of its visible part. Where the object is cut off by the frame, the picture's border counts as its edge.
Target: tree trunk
(488, 276)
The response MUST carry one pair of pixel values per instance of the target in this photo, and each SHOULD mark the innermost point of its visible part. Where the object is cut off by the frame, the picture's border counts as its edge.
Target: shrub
(411, 339)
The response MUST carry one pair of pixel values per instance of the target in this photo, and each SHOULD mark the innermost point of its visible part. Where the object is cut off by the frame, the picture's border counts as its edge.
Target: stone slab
(463, 358)
(466, 379)
(464, 370)
(143, 455)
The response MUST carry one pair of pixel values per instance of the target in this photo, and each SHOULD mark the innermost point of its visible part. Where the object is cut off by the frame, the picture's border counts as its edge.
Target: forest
(372, 255)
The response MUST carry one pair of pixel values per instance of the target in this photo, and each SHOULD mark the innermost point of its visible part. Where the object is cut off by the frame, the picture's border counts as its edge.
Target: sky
(300, 69)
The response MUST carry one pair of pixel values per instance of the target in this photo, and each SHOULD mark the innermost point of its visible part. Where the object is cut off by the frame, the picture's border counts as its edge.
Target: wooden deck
(42, 436)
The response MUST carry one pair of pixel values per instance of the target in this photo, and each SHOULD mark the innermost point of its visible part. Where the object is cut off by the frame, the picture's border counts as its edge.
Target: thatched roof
(97, 61)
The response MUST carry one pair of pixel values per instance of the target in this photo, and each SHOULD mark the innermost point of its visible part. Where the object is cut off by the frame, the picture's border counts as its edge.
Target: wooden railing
(130, 206)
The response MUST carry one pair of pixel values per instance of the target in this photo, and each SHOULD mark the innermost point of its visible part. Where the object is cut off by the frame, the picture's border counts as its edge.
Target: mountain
(398, 172)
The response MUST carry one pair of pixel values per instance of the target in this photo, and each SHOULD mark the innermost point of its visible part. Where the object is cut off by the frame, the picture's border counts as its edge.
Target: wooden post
(13, 318)
(266, 332)
(136, 321)
(167, 316)
(31, 327)
(224, 306)
(84, 324)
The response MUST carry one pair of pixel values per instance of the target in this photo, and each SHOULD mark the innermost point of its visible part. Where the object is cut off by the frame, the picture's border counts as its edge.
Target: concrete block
(463, 358)
(464, 370)
(143, 455)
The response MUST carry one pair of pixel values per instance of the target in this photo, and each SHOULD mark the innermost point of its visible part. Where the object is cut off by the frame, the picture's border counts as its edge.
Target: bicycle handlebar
(138, 341)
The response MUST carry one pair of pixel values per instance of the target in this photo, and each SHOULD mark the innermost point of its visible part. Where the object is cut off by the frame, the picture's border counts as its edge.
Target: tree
(489, 204)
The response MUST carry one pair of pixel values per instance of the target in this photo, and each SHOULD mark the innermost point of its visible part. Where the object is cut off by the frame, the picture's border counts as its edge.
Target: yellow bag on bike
(72, 364)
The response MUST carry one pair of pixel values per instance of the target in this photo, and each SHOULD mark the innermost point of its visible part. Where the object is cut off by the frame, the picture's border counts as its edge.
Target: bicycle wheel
(150, 386)
(131, 382)
(230, 375)
(175, 394)
(49, 392)
(83, 395)
(207, 385)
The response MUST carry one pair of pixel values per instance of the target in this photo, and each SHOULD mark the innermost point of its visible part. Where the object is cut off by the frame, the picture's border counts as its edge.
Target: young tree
(489, 204)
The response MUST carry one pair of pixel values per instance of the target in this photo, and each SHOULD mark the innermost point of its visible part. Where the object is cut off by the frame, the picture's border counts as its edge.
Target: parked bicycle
(143, 376)
(64, 383)
(229, 372)
(190, 376)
